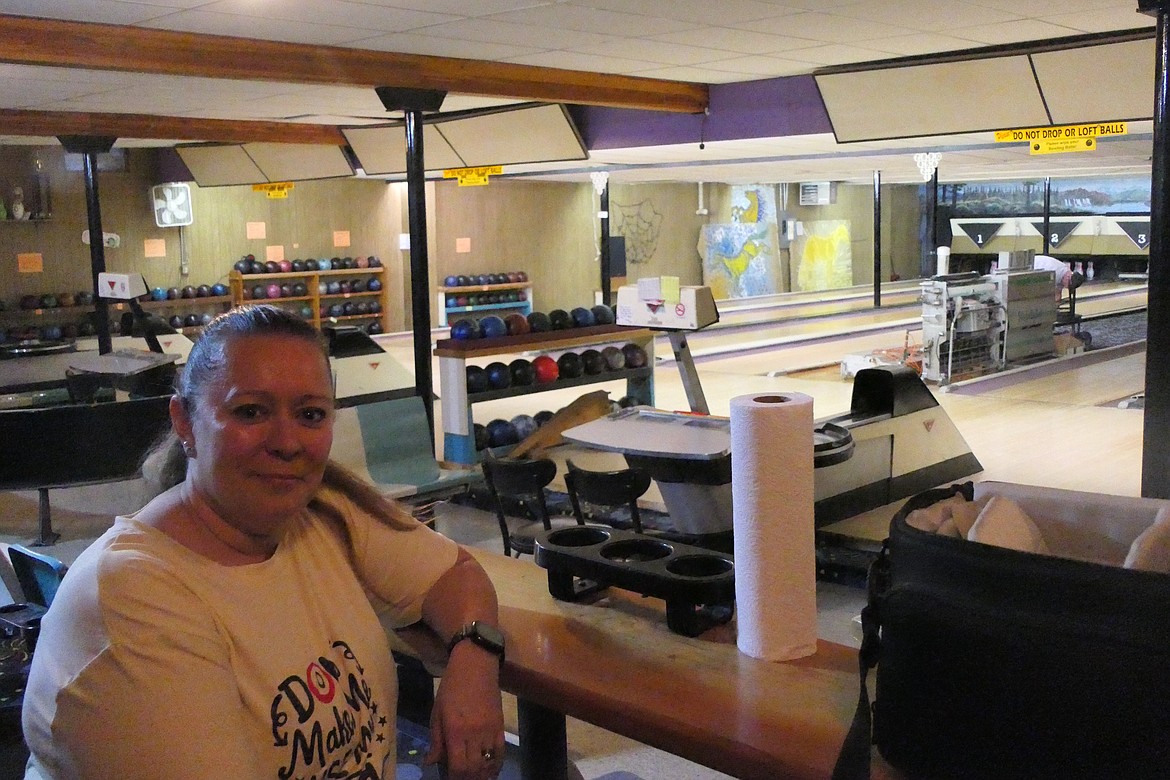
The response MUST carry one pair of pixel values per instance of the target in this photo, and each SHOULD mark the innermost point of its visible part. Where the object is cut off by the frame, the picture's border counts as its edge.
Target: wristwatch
(483, 634)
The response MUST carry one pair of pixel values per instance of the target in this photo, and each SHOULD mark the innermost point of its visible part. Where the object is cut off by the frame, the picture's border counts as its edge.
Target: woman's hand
(467, 723)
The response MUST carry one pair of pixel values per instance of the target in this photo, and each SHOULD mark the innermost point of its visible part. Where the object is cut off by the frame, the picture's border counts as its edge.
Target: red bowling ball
(546, 369)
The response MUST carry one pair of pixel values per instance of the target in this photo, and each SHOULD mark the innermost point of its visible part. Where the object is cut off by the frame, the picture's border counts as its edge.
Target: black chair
(1066, 309)
(39, 575)
(524, 480)
(82, 444)
(606, 489)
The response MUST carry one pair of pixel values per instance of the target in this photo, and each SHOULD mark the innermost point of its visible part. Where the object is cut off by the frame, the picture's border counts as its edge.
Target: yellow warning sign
(1035, 134)
(1057, 145)
(276, 189)
(473, 177)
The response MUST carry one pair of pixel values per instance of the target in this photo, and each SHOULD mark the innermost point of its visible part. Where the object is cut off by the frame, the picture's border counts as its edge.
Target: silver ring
(488, 754)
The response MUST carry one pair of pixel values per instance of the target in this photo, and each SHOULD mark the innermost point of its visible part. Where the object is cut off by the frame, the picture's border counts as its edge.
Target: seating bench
(389, 443)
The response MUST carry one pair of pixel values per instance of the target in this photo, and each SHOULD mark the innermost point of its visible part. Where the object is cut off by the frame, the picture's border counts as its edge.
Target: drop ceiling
(696, 41)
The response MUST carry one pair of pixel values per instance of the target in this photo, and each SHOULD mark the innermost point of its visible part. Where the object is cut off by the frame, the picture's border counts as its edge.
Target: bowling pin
(1089, 271)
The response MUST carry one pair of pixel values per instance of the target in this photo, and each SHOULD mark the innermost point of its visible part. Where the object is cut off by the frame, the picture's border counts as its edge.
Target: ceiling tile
(928, 15)
(826, 28)
(379, 18)
(256, 27)
(1121, 18)
(106, 12)
(922, 43)
(697, 11)
(505, 32)
(761, 65)
(1014, 32)
(736, 40)
(578, 61)
(416, 43)
(567, 16)
(655, 51)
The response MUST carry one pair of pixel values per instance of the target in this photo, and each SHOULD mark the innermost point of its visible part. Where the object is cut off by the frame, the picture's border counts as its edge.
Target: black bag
(994, 663)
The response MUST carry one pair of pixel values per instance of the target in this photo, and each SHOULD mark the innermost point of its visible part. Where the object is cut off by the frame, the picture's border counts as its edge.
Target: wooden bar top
(614, 663)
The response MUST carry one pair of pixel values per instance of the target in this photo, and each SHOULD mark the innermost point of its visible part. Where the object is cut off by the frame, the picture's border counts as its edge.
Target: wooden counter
(615, 663)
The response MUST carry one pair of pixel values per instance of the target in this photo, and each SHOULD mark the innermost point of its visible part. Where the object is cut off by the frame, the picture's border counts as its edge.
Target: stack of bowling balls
(486, 280)
(516, 324)
(503, 433)
(248, 264)
(545, 369)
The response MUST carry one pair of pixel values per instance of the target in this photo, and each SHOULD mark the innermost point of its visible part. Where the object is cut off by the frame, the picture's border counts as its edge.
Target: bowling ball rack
(697, 584)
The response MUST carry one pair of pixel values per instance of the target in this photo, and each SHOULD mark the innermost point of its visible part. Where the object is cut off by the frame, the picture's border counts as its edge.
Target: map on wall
(822, 255)
(739, 259)
(640, 224)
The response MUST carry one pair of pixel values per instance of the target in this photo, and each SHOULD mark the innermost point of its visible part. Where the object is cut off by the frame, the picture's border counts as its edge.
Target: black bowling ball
(482, 439)
(603, 314)
(560, 319)
(523, 374)
(499, 376)
(542, 417)
(570, 366)
(592, 361)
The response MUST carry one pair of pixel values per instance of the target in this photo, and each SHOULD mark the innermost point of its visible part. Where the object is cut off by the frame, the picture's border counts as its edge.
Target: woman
(226, 630)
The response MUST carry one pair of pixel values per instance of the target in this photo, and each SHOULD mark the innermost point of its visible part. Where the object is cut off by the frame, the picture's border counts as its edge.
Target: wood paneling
(33, 41)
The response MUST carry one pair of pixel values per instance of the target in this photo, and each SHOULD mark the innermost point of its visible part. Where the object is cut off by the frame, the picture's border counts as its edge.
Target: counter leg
(544, 751)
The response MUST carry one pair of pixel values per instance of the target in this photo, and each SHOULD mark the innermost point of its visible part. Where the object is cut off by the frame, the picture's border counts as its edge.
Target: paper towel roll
(772, 509)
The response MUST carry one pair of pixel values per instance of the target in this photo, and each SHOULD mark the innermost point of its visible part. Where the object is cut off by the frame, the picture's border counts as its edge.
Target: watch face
(489, 634)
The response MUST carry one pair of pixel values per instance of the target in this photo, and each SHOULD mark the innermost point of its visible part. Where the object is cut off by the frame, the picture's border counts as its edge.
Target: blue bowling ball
(501, 433)
(493, 327)
(499, 376)
(374, 328)
(525, 425)
(158, 294)
(218, 289)
(582, 317)
(374, 285)
(465, 329)
(451, 281)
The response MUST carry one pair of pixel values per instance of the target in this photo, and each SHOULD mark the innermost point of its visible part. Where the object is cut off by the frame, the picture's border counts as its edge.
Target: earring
(189, 449)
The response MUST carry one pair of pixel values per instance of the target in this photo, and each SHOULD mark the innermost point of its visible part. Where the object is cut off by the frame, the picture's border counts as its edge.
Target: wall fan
(172, 205)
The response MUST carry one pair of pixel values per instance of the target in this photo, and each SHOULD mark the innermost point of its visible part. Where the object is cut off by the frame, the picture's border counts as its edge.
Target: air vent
(172, 205)
(818, 193)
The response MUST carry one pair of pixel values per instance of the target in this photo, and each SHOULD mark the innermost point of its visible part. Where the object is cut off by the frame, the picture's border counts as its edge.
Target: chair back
(607, 488)
(39, 575)
(518, 479)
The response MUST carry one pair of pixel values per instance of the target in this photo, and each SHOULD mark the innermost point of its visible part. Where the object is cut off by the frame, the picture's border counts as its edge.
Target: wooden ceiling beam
(50, 42)
(54, 123)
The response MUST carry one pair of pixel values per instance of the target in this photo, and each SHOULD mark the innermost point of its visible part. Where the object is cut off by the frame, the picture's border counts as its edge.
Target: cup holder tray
(697, 584)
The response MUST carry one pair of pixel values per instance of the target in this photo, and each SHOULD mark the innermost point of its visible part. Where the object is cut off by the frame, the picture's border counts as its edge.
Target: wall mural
(640, 224)
(1111, 195)
(823, 255)
(740, 258)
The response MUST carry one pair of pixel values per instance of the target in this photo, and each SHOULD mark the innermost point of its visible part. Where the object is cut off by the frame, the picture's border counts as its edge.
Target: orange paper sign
(274, 253)
(340, 238)
(30, 263)
(154, 247)
(257, 230)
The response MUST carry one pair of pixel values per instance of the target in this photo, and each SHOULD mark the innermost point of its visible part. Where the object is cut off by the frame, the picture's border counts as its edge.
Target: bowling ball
(477, 380)
(28, 302)
(322, 288)
(569, 365)
(298, 265)
(357, 285)
(343, 287)
(374, 328)
(521, 295)
(286, 290)
(306, 312)
(626, 401)
(246, 293)
(582, 317)
(560, 319)
(374, 285)
(522, 276)
(272, 291)
(158, 294)
(523, 374)
(362, 262)
(48, 301)
(243, 266)
(482, 440)
(375, 307)
(517, 324)
(175, 322)
(336, 263)
(323, 264)
(465, 329)
(592, 361)
(501, 433)
(349, 308)
(86, 328)
(300, 289)
(51, 332)
(336, 310)
(525, 425)
(69, 330)
(285, 266)
(173, 293)
(375, 261)
(460, 301)
(615, 359)
(188, 292)
(493, 327)
(334, 288)
(220, 289)
(546, 370)
(205, 318)
(635, 356)
(482, 279)
(462, 281)
(543, 417)
(259, 291)
(271, 267)
(538, 322)
(499, 376)
(361, 307)
(84, 298)
(348, 263)
(603, 314)
(256, 267)
(203, 290)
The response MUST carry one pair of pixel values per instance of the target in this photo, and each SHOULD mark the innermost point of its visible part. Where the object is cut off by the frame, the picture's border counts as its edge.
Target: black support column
(1155, 442)
(877, 239)
(90, 147)
(414, 102)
